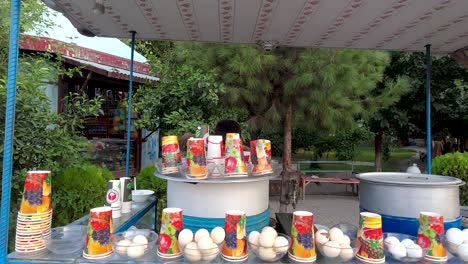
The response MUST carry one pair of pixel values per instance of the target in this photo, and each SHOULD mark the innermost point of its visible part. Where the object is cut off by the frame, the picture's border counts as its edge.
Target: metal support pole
(129, 108)
(9, 127)
(428, 110)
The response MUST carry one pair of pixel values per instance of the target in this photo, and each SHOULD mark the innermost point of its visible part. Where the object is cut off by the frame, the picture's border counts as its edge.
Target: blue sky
(64, 31)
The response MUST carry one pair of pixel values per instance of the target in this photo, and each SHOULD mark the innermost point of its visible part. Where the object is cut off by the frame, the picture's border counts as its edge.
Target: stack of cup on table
(35, 214)
(99, 238)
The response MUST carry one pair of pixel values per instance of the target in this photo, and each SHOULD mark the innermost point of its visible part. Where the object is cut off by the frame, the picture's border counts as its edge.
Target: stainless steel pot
(407, 194)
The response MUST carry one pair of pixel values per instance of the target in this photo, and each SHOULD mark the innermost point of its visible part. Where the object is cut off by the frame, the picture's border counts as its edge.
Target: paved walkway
(328, 210)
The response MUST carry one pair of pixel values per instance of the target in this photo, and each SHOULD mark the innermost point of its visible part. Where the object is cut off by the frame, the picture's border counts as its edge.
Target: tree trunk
(287, 160)
(378, 150)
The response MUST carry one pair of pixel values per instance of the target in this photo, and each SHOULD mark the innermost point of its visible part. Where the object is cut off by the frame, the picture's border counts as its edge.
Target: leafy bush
(455, 165)
(147, 181)
(76, 190)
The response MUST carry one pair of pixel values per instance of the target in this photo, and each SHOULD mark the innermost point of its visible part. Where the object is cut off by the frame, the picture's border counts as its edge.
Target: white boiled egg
(192, 253)
(218, 235)
(201, 233)
(254, 239)
(398, 250)
(332, 249)
(267, 238)
(122, 246)
(463, 252)
(281, 244)
(346, 253)
(266, 254)
(321, 236)
(136, 250)
(336, 234)
(185, 237)
(414, 251)
(406, 242)
(455, 236)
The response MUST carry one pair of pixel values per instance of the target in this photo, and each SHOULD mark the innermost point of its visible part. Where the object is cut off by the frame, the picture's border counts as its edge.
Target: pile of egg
(134, 248)
(402, 249)
(267, 244)
(334, 243)
(202, 245)
(458, 242)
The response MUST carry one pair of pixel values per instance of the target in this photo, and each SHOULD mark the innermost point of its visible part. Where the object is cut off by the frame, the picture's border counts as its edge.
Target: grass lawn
(365, 154)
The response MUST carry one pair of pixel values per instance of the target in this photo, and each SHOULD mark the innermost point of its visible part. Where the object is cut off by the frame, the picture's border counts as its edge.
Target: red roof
(28, 42)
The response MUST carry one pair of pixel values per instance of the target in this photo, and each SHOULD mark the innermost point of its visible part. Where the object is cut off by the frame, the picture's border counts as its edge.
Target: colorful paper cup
(234, 164)
(260, 156)
(99, 236)
(170, 153)
(37, 195)
(370, 238)
(196, 159)
(235, 242)
(430, 235)
(171, 224)
(302, 236)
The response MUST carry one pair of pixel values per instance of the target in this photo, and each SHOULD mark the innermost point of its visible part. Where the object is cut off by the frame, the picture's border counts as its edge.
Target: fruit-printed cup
(302, 236)
(99, 236)
(370, 238)
(235, 242)
(260, 156)
(196, 160)
(171, 224)
(430, 235)
(170, 153)
(126, 187)
(37, 195)
(234, 164)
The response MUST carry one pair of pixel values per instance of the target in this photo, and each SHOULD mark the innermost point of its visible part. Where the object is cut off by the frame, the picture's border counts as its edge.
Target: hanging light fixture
(99, 8)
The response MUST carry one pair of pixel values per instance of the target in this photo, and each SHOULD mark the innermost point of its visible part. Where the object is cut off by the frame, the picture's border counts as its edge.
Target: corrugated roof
(110, 71)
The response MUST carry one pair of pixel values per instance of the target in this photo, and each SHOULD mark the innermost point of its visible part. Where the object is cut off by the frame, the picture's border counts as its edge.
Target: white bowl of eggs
(134, 243)
(403, 248)
(336, 244)
(203, 246)
(456, 242)
(268, 245)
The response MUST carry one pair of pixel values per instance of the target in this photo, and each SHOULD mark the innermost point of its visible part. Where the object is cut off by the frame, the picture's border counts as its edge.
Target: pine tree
(312, 88)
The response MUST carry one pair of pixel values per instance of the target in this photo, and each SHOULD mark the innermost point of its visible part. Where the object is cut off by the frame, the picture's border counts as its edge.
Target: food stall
(271, 23)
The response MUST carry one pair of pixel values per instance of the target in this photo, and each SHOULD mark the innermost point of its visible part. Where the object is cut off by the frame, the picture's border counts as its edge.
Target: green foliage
(343, 143)
(147, 181)
(76, 190)
(455, 165)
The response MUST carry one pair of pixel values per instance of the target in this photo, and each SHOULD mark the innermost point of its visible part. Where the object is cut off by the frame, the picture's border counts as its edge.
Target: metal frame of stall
(10, 120)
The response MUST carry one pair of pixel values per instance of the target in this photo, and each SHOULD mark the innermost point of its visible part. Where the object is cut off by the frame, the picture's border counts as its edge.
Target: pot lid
(409, 179)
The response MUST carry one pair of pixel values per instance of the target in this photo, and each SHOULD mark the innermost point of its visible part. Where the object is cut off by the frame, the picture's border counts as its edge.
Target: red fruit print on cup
(231, 163)
(165, 243)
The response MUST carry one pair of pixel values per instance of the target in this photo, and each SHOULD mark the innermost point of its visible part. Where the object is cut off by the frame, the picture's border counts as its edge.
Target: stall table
(142, 216)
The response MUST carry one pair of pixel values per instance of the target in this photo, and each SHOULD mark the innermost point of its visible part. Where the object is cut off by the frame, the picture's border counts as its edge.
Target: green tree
(448, 96)
(386, 118)
(315, 88)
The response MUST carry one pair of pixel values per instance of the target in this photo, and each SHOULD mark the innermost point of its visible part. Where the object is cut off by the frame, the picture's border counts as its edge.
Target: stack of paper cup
(35, 215)
(215, 155)
(172, 223)
(99, 236)
(234, 164)
(170, 153)
(196, 159)
(126, 187)
(302, 232)
(113, 198)
(235, 242)
(431, 235)
(370, 238)
(260, 152)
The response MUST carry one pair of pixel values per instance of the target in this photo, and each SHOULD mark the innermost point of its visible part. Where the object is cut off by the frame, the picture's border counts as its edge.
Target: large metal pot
(407, 194)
